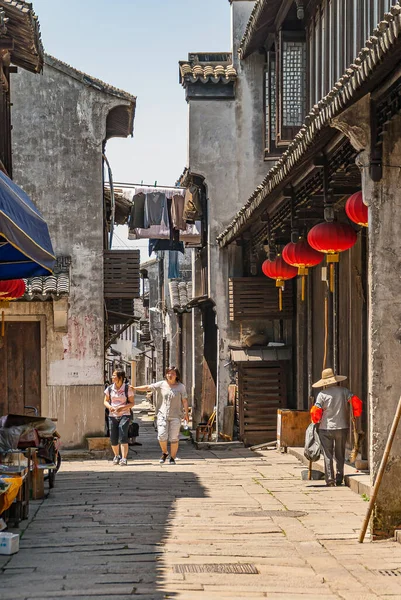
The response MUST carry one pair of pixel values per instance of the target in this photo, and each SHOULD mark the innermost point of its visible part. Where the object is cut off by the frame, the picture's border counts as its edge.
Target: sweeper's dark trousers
(333, 445)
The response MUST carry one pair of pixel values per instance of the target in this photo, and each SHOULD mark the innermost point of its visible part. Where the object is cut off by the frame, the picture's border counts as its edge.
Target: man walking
(332, 412)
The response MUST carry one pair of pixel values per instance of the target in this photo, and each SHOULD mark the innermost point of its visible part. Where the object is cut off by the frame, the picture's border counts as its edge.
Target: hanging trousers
(333, 445)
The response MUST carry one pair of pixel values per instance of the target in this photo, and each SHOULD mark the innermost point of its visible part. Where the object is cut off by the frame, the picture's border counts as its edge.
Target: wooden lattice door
(262, 390)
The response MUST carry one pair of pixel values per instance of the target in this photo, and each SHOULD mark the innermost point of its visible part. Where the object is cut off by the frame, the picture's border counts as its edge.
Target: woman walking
(119, 399)
(169, 414)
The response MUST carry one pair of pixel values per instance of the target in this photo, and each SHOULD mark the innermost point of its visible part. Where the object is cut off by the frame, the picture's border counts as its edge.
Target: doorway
(20, 367)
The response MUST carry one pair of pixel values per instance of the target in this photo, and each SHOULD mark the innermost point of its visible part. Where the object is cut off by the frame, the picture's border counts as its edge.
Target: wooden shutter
(257, 298)
(121, 274)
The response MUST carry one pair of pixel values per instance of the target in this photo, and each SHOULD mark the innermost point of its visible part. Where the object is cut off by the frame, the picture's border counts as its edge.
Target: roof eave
(342, 95)
(23, 27)
(88, 80)
(261, 22)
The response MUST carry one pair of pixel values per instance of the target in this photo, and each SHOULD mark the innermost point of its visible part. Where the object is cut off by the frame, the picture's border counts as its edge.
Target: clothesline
(149, 185)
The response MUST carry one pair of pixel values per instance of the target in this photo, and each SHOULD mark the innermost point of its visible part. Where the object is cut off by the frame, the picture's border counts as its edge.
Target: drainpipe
(112, 200)
(179, 360)
(217, 386)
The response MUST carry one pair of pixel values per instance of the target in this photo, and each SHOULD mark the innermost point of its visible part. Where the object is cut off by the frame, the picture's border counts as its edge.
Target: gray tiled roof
(205, 73)
(380, 43)
(88, 79)
(23, 28)
(44, 288)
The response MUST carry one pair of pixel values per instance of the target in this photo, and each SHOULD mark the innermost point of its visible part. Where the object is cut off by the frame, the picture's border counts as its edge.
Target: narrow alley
(219, 524)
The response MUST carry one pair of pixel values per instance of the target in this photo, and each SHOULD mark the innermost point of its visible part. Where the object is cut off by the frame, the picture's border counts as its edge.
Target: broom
(358, 439)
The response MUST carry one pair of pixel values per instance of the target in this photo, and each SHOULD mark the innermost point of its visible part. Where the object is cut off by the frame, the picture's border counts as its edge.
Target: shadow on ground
(100, 534)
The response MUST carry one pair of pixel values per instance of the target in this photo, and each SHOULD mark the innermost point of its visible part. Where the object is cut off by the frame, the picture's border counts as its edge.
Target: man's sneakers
(171, 461)
(163, 458)
(123, 462)
(116, 460)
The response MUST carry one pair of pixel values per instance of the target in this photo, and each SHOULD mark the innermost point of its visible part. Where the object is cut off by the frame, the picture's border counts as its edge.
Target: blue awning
(25, 246)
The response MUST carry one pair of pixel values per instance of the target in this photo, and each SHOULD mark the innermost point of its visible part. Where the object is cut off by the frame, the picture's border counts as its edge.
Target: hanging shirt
(155, 209)
(137, 216)
(177, 212)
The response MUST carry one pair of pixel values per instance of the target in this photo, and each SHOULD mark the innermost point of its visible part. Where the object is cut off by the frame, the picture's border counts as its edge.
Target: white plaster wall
(226, 147)
(59, 125)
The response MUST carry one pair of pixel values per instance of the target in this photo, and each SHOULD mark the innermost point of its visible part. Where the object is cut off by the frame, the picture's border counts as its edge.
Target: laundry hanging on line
(159, 213)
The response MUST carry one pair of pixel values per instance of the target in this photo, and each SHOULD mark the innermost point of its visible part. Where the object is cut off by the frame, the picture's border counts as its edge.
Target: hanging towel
(177, 212)
(173, 265)
(155, 209)
(158, 245)
(192, 206)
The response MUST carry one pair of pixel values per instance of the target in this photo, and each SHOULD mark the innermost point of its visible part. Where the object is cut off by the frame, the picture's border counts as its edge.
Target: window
(291, 96)
(285, 90)
(270, 102)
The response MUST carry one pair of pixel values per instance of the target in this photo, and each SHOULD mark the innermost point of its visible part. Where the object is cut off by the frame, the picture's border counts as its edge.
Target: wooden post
(381, 471)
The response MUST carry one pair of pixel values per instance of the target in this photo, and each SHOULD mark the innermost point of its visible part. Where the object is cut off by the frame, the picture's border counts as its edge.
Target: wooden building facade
(342, 111)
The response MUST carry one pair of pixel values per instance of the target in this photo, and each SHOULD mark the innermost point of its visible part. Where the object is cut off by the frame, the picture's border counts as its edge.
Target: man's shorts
(168, 429)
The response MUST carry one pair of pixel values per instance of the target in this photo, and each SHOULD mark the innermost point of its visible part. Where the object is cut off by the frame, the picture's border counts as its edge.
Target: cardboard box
(9, 543)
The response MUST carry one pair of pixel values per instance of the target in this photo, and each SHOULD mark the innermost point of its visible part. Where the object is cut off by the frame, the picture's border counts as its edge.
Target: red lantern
(11, 289)
(356, 210)
(302, 256)
(331, 239)
(280, 271)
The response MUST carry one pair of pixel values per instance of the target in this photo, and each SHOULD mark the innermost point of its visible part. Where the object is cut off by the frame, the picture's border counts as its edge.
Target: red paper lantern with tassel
(356, 210)
(10, 289)
(302, 256)
(331, 239)
(280, 271)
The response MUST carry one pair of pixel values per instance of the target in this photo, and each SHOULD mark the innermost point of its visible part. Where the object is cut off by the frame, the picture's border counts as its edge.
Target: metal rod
(165, 187)
(380, 472)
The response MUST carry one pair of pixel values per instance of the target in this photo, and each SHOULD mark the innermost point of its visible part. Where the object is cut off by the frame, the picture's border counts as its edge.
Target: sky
(135, 45)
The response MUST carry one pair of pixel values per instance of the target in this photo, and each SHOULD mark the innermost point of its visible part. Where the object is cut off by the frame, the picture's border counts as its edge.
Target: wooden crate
(291, 427)
(257, 298)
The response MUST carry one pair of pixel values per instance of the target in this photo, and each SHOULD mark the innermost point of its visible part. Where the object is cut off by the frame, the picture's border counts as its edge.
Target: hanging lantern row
(10, 290)
(303, 257)
(356, 210)
(325, 238)
(331, 239)
(281, 271)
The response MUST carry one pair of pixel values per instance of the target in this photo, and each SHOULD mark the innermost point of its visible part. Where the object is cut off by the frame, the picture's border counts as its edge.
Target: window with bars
(291, 85)
(285, 90)
(270, 103)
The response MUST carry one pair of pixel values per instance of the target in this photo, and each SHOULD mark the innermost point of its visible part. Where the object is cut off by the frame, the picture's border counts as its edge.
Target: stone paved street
(145, 530)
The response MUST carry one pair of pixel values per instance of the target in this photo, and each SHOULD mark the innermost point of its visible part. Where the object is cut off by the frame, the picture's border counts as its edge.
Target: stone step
(357, 481)
(84, 454)
(218, 445)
